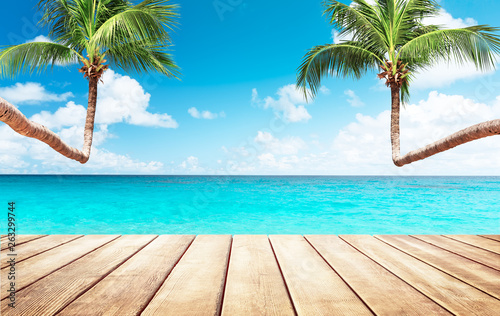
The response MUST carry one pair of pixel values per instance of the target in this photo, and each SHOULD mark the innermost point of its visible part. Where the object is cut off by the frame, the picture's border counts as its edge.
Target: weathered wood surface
(254, 275)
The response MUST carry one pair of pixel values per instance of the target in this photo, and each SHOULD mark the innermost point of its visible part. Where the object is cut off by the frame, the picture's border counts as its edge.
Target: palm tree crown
(133, 37)
(391, 35)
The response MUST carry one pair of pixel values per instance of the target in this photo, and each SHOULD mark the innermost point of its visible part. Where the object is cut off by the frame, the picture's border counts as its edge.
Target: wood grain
(471, 272)
(254, 284)
(314, 286)
(478, 241)
(196, 284)
(37, 267)
(483, 256)
(54, 292)
(20, 239)
(449, 292)
(494, 237)
(129, 288)
(374, 284)
(37, 246)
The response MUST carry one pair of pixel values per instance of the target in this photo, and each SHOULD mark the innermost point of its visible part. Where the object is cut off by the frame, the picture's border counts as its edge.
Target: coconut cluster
(394, 76)
(95, 68)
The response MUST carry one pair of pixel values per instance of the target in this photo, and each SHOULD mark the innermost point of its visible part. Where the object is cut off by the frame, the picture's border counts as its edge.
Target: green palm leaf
(348, 59)
(475, 44)
(26, 58)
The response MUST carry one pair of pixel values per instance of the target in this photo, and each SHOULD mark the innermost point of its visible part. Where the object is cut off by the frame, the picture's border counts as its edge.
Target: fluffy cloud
(31, 93)
(363, 147)
(446, 20)
(290, 104)
(285, 146)
(324, 90)
(366, 144)
(207, 115)
(40, 38)
(191, 165)
(122, 99)
(353, 100)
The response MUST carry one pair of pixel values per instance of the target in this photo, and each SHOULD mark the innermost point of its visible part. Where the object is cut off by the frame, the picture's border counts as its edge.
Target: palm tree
(132, 37)
(391, 35)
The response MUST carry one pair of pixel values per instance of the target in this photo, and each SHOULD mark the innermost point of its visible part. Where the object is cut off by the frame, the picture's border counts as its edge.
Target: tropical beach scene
(237, 157)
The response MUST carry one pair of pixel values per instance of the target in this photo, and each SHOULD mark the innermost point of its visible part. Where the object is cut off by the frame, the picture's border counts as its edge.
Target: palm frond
(348, 59)
(475, 44)
(146, 22)
(143, 58)
(409, 15)
(29, 57)
(360, 21)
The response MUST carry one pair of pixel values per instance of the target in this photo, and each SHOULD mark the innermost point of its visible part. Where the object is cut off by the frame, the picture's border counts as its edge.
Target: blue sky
(239, 61)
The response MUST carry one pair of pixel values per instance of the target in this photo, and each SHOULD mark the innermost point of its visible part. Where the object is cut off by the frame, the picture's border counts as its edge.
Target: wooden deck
(254, 275)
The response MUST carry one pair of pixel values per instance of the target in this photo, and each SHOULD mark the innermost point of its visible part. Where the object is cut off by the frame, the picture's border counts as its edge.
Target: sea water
(251, 205)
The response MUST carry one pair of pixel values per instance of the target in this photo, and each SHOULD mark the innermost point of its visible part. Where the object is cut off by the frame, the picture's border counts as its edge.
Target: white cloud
(446, 20)
(353, 100)
(207, 115)
(31, 93)
(290, 104)
(40, 38)
(285, 146)
(68, 115)
(122, 99)
(363, 147)
(324, 90)
(191, 165)
(366, 143)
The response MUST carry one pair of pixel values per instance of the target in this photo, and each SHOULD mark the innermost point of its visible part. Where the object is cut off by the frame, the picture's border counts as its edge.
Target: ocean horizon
(190, 204)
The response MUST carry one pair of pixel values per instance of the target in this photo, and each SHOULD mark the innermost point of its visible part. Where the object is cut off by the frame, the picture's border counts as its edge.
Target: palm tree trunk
(395, 109)
(89, 122)
(20, 124)
(485, 129)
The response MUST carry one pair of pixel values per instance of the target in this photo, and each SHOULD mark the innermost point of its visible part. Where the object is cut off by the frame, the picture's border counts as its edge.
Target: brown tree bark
(485, 129)
(89, 122)
(20, 124)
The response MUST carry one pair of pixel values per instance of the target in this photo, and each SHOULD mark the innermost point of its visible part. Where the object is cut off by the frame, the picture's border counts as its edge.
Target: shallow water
(252, 205)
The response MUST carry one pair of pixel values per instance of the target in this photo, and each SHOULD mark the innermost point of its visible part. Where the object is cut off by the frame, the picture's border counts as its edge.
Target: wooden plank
(485, 257)
(374, 284)
(37, 246)
(478, 241)
(494, 237)
(254, 283)
(449, 292)
(129, 288)
(314, 286)
(471, 272)
(54, 292)
(39, 266)
(20, 239)
(196, 284)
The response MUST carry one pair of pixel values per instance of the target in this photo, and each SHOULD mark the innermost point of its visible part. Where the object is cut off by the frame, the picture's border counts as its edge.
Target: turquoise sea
(251, 205)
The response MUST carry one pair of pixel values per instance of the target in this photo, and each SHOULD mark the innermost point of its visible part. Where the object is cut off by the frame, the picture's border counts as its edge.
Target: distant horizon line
(237, 175)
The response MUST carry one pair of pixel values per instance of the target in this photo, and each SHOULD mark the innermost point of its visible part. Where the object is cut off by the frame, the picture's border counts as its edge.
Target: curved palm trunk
(20, 124)
(466, 135)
